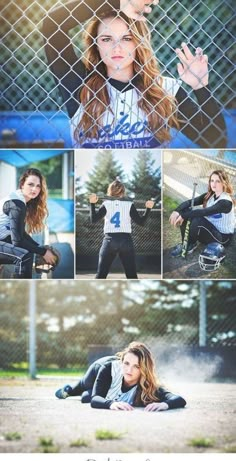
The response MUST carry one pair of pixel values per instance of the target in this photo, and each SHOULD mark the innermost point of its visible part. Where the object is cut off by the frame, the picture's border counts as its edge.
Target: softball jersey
(118, 215)
(12, 223)
(5, 227)
(224, 222)
(124, 124)
(219, 211)
(115, 391)
(200, 116)
(109, 386)
(117, 218)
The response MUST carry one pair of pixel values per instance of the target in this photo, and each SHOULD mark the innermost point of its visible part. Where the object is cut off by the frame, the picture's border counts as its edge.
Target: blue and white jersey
(115, 391)
(117, 218)
(124, 125)
(5, 230)
(224, 222)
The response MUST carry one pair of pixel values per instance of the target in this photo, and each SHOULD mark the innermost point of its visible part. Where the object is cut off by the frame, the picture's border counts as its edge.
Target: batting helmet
(41, 265)
(211, 257)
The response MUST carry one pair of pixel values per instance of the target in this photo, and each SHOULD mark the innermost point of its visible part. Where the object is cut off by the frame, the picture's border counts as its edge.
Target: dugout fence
(32, 110)
(181, 168)
(147, 242)
(54, 325)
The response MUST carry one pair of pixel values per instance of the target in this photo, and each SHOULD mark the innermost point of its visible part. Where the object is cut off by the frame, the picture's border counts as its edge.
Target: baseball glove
(41, 265)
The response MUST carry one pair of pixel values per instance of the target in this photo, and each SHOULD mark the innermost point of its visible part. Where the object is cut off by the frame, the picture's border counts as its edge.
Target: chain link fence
(77, 322)
(141, 176)
(32, 107)
(180, 170)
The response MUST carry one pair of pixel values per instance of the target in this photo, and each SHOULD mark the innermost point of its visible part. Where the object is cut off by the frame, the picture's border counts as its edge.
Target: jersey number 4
(115, 219)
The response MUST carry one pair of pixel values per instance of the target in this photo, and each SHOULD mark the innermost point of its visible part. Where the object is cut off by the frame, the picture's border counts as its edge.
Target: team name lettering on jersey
(123, 127)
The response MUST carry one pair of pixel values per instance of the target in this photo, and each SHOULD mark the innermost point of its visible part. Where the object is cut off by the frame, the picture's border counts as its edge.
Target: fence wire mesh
(141, 176)
(74, 317)
(181, 169)
(34, 108)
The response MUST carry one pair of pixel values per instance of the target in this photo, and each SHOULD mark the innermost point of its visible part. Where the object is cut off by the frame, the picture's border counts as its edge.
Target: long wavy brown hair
(36, 209)
(159, 107)
(224, 179)
(148, 383)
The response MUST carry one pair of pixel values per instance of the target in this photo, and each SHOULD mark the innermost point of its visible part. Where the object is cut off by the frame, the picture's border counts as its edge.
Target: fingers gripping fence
(36, 108)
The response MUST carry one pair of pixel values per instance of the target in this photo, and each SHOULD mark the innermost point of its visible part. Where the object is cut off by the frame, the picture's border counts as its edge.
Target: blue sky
(85, 159)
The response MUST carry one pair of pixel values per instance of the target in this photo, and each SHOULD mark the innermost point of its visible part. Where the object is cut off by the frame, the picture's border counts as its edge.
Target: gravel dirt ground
(30, 410)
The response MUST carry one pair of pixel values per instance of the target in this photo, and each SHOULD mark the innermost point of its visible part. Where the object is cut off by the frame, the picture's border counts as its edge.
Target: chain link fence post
(32, 329)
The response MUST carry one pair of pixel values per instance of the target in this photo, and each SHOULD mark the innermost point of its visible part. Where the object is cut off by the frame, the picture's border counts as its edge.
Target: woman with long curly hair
(115, 94)
(24, 208)
(123, 382)
(214, 221)
(118, 212)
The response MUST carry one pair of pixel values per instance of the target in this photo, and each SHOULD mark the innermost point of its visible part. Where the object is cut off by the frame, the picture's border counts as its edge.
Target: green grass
(47, 445)
(104, 434)
(169, 204)
(201, 442)
(230, 449)
(80, 443)
(24, 373)
(12, 436)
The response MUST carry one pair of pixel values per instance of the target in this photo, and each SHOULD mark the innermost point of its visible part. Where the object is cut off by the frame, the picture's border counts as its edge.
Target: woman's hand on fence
(93, 198)
(149, 204)
(156, 406)
(192, 69)
(135, 9)
(173, 217)
(49, 257)
(121, 406)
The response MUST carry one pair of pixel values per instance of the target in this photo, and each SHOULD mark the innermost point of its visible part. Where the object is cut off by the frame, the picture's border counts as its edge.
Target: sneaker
(64, 392)
(177, 251)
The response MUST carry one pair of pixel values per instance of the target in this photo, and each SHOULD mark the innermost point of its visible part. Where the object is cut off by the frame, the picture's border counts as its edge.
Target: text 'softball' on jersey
(125, 125)
(117, 218)
(224, 222)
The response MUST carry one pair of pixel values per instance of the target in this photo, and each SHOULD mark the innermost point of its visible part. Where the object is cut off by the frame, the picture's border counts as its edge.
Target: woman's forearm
(68, 16)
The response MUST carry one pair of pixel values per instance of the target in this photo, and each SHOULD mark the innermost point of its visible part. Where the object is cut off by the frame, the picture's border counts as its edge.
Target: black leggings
(204, 231)
(85, 385)
(117, 244)
(21, 258)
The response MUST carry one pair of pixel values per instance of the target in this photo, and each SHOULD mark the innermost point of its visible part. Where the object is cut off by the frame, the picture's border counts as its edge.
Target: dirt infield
(30, 410)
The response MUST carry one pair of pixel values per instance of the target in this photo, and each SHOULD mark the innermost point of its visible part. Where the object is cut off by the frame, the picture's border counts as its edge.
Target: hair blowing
(224, 179)
(153, 100)
(36, 209)
(148, 383)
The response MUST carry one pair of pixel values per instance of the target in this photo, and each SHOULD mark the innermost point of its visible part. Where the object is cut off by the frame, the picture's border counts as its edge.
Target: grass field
(34, 421)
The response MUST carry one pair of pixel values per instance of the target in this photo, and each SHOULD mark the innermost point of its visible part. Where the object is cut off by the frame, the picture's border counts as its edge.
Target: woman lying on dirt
(123, 382)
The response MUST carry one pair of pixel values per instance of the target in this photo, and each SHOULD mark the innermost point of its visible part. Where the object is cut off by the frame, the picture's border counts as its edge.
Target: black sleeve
(101, 388)
(172, 400)
(185, 205)
(222, 206)
(136, 216)
(16, 210)
(67, 68)
(95, 216)
(203, 123)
